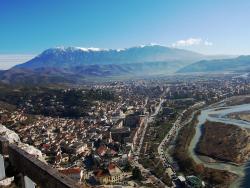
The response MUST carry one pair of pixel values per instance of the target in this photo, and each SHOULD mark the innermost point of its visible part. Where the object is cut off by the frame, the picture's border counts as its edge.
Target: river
(219, 114)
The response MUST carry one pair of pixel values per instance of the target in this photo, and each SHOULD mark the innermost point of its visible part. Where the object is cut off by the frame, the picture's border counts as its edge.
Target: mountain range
(76, 64)
(75, 56)
(238, 64)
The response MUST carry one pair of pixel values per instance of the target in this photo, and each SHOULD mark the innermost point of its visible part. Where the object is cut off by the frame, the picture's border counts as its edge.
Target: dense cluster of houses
(96, 149)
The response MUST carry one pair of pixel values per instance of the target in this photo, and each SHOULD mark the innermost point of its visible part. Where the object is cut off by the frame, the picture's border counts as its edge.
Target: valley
(76, 65)
(124, 94)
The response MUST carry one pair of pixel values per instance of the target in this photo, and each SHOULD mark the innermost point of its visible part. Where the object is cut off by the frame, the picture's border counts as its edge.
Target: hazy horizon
(9, 60)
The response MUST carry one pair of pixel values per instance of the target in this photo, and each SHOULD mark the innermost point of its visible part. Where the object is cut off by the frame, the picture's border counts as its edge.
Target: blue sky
(206, 26)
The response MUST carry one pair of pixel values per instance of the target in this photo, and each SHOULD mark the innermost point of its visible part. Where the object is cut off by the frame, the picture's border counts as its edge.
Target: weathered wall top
(42, 174)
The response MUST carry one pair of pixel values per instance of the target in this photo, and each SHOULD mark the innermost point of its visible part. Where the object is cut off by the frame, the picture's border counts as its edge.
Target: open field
(225, 142)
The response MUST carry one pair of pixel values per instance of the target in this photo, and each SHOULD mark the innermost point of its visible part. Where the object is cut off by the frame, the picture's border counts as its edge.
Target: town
(125, 136)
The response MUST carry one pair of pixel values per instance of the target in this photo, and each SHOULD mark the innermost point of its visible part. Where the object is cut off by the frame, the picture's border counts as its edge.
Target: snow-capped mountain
(77, 56)
(75, 64)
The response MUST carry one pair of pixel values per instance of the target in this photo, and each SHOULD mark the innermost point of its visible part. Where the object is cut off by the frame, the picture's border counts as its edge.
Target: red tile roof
(70, 171)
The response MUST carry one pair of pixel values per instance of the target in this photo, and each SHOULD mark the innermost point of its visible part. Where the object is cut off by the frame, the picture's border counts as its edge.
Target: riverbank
(244, 116)
(237, 100)
(216, 178)
(219, 112)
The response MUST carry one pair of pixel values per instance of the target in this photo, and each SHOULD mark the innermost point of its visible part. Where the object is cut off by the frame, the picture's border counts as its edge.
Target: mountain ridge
(240, 63)
(77, 56)
(77, 64)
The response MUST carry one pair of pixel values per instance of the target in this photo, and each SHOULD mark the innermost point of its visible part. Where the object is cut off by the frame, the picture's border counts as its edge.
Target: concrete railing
(34, 172)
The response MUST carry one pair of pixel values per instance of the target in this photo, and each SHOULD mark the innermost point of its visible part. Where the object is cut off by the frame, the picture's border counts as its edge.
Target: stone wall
(39, 172)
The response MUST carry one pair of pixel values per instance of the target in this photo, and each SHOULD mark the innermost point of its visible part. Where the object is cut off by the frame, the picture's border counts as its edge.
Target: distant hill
(241, 63)
(75, 64)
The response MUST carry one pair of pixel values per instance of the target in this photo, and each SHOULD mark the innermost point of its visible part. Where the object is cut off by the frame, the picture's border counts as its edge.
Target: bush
(136, 174)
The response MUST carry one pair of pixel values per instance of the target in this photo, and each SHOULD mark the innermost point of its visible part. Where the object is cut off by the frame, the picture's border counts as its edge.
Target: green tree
(136, 174)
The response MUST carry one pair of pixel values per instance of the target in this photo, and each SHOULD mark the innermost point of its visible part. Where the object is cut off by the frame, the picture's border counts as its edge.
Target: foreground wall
(29, 166)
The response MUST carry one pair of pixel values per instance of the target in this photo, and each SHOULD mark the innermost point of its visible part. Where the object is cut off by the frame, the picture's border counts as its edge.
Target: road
(172, 134)
(148, 120)
(145, 172)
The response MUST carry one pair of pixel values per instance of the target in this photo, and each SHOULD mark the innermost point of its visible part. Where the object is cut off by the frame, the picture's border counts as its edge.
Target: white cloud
(191, 42)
